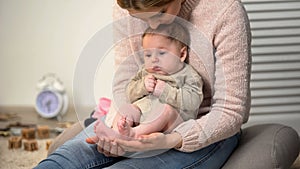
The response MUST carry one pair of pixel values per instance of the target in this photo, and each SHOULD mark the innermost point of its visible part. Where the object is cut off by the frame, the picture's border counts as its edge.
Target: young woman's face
(158, 15)
(163, 56)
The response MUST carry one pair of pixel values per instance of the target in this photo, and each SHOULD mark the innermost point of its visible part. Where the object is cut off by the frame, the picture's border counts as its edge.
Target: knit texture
(225, 73)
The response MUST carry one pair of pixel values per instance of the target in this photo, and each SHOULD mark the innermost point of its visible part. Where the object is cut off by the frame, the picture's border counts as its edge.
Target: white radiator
(275, 81)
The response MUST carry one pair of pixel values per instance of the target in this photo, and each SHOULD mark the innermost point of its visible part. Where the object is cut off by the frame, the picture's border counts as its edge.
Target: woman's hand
(154, 141)
(105, 146)
(112, 144)
(105, 140)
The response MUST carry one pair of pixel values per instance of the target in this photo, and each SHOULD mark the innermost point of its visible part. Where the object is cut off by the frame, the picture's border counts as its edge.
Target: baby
(167, 90)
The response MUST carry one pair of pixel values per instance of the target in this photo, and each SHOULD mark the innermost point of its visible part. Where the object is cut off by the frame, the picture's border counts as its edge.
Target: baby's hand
(150, 82)
(159, 88)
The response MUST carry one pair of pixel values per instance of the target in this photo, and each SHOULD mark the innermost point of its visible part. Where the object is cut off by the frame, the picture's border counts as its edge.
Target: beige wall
(41, 36)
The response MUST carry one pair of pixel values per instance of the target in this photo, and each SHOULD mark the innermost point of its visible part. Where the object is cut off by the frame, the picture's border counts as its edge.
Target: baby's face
(161, 55)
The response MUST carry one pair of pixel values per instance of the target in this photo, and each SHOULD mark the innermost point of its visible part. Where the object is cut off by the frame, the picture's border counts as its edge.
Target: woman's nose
(153, 23)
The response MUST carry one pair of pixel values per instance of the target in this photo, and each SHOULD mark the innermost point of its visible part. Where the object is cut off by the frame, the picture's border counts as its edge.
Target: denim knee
(73, 154)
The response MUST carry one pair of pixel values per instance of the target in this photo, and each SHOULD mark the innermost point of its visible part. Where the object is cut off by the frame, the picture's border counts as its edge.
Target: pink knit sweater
(226, 73)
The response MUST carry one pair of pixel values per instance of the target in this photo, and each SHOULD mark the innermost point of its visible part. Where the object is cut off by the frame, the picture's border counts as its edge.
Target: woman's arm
(230, 102)
(154, 141)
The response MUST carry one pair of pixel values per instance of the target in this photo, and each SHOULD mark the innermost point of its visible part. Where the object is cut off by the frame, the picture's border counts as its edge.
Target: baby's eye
(162, 52)
(147, 55)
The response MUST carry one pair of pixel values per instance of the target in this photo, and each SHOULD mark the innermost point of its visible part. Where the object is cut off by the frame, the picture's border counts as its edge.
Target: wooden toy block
(14, 142)
(30, 145)
(43, 132)
(28, 133)
(48, 143)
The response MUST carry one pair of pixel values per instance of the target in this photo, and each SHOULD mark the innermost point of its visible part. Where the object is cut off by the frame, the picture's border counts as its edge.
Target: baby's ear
(183, 53)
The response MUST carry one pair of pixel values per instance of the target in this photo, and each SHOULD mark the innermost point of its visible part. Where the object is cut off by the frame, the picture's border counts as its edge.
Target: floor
(20, 158)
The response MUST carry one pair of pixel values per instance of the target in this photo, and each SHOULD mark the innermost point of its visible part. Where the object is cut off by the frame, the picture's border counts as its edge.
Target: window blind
(275, 81)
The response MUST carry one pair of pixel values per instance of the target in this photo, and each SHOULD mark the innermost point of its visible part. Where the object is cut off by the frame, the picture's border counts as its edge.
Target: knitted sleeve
(230, 100)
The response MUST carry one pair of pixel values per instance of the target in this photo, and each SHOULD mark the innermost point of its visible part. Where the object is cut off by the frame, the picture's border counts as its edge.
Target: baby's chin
(156, 71)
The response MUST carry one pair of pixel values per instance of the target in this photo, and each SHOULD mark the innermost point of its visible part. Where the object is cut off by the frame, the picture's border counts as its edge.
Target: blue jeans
(76, 153)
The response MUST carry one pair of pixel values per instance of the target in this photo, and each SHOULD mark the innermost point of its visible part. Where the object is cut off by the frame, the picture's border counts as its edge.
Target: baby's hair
(174, 32)
(141, 5)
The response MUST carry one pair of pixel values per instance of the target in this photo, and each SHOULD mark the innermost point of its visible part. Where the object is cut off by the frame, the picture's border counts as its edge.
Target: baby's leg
(165, 121)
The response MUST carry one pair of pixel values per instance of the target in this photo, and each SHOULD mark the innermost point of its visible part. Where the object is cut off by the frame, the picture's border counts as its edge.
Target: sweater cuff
(189, 131)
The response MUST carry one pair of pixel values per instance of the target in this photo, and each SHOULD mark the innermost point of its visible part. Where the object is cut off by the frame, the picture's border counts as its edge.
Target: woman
(210, 139)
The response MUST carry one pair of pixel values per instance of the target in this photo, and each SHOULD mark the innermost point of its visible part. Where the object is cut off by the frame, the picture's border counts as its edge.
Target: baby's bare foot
(123, 127)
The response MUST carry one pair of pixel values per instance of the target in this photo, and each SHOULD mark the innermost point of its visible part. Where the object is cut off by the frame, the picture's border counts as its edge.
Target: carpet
(20, 158)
